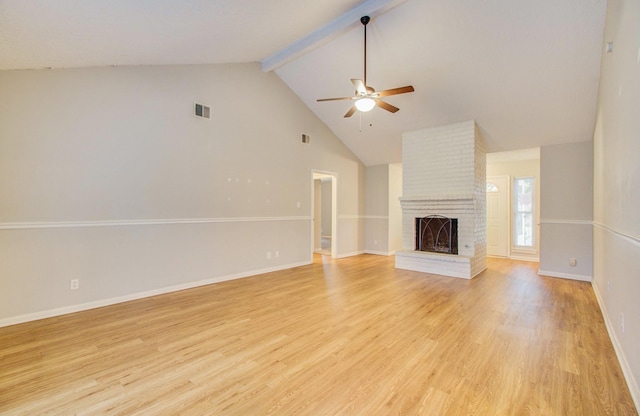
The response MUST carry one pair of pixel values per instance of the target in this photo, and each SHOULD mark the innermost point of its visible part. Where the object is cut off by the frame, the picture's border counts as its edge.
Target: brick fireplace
(444, 176)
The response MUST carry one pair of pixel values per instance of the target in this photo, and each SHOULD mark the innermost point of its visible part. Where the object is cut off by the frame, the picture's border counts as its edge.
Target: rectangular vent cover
(202, 111)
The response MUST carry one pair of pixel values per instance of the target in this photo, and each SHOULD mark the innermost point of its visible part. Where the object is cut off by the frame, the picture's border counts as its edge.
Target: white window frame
(515, 213)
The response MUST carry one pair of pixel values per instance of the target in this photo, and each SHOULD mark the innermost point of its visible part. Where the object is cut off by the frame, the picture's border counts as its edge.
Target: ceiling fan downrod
(364, 20)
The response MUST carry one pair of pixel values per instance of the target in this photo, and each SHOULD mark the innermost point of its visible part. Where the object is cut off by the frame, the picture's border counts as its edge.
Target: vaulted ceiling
(526, 71)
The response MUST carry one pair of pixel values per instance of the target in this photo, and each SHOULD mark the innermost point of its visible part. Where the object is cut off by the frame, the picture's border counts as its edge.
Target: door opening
(324, 224)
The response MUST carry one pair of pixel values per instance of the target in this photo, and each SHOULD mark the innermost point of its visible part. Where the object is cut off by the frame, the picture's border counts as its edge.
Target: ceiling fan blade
(335, 99)
(395, 91)
(350, 112)
(386, 106)
(360, 87)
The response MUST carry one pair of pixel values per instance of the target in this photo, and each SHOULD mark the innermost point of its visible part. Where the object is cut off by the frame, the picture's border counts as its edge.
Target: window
(491, 187)
(523, 211)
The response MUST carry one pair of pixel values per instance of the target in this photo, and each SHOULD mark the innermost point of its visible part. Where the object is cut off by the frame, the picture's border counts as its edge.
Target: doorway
(324, 224)
(498, 216)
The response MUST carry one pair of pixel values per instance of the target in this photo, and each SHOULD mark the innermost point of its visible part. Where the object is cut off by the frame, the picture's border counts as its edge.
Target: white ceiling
(526, 71)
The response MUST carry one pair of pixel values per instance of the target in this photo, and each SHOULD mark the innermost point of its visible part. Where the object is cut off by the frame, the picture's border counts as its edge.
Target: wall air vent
(306, 139)
(202, 111)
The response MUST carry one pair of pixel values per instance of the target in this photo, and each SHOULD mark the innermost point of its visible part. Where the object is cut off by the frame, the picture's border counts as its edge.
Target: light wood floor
(339, 337)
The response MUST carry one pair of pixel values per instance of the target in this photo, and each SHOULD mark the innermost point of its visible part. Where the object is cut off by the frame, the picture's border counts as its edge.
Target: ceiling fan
(365, 96)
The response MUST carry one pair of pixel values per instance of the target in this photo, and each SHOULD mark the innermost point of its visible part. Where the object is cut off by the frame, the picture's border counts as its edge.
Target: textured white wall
(444, 173)
(439, 161)
(616, 274)
(101, 149)
(444, 168)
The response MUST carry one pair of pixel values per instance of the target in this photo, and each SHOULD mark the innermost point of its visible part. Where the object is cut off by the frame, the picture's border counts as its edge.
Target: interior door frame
(319, 174)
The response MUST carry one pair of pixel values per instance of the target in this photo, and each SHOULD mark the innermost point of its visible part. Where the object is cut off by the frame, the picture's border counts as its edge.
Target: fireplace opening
(437, 234)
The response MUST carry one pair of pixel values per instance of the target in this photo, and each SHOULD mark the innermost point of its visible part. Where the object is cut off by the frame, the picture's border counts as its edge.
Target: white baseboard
(353, 253)
(524, 258)
(140, 295)
(565, 275)
(380, 253)
(477, 273)
(622, 359)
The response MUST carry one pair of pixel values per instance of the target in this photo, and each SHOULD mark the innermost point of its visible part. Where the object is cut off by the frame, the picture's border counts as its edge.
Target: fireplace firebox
(438, 234)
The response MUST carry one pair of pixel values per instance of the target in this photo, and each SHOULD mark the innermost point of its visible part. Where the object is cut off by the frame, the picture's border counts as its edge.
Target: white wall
(566, 210)
(395, 209)
(384, 213)
(514, 169)
(377, 209)
(107, 177)
(616, 268)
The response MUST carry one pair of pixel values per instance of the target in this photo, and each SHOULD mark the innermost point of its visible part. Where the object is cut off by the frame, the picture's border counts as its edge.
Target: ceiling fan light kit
(366, 97)
(365, 104)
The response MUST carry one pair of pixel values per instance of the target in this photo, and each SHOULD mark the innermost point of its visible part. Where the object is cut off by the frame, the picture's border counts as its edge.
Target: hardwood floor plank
(352, 336)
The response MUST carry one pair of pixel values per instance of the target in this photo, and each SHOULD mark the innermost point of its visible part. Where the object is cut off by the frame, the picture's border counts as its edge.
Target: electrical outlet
(572, 262)
(277, 253)
(608, 286)
(74, 284)
(622, 321)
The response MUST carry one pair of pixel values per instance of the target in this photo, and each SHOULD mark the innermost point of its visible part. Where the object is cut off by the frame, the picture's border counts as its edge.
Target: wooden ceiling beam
(328, 32)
